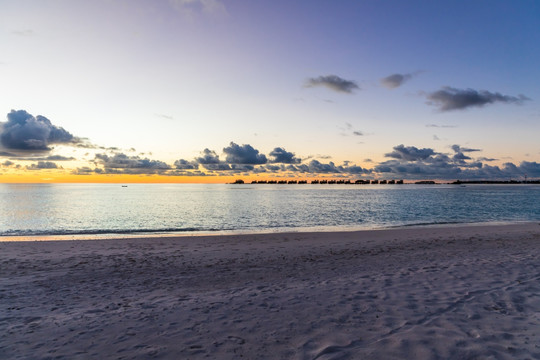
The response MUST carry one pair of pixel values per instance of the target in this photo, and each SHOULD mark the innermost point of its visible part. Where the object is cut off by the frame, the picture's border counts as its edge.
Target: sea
(102, 210)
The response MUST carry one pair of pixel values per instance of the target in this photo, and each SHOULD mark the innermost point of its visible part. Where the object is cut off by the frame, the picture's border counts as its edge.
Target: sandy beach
(463, 292)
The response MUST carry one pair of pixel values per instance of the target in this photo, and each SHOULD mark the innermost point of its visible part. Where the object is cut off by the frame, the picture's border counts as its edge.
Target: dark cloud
(449, 98)
(395, 80)
(317, 167)
(85, 170)
(46, 158)
(486, 159)
(211, 161)
(208, 157)
(186, 165)
(461, 158)
(8, 163)
(459, 149)
(410, 153)
(120, 163)
(23, 131)
(280, 155)
(7, 154)
(245, 154)
(333, 82)
(59, 158)
(42, 165)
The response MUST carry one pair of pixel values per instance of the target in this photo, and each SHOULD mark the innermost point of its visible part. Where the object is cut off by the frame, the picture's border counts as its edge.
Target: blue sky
(156, 83)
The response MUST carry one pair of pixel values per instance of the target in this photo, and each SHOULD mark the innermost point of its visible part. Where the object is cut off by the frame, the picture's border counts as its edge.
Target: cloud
(316, 167)
(440, 126)
(26, 32)
(8, 163)
(189, 8)
(58, 158)
(7, 154)
(395, 80)
(48, 158)
(186, 165)
(280, 155)
(410, 153)
(448, 98)
(25, 132)
(208, 157)
(348, 129)
(210, 161)
(245, 154)
(41, 165)
(120, 163)
(85, 170)
(459, 149)
(333, 82)
(163, 116)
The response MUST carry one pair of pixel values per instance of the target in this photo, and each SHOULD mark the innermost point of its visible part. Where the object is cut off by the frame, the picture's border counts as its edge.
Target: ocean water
(100, 209)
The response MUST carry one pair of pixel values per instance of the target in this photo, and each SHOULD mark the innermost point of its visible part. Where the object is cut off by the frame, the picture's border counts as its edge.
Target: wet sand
(462, 292)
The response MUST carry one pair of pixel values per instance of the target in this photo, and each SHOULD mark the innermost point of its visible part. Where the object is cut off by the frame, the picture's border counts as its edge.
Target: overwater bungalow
(314, 181)
(374, 181)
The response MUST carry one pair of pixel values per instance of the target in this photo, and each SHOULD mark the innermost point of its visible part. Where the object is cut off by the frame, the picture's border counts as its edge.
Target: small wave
(428, 223)
(105, 231)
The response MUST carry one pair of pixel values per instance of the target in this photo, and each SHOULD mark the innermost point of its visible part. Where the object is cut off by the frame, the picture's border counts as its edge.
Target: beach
(441, 292)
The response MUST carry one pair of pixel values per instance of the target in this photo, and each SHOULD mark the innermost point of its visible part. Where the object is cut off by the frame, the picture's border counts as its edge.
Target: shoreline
(425, 293)
(247, 232)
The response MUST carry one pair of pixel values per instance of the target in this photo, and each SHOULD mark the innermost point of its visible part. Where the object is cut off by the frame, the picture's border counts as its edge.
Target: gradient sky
(212, 90)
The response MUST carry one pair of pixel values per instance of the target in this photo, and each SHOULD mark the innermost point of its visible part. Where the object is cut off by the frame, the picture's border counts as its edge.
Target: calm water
(62, 209)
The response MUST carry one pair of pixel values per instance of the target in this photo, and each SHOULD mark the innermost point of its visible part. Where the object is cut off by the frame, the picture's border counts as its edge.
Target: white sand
(419, 293)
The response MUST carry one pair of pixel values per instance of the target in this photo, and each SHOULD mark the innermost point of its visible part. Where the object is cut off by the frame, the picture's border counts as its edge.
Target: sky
(217, 90)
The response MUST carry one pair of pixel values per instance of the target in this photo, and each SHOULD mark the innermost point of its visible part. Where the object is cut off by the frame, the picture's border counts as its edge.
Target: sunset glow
(213, 91)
